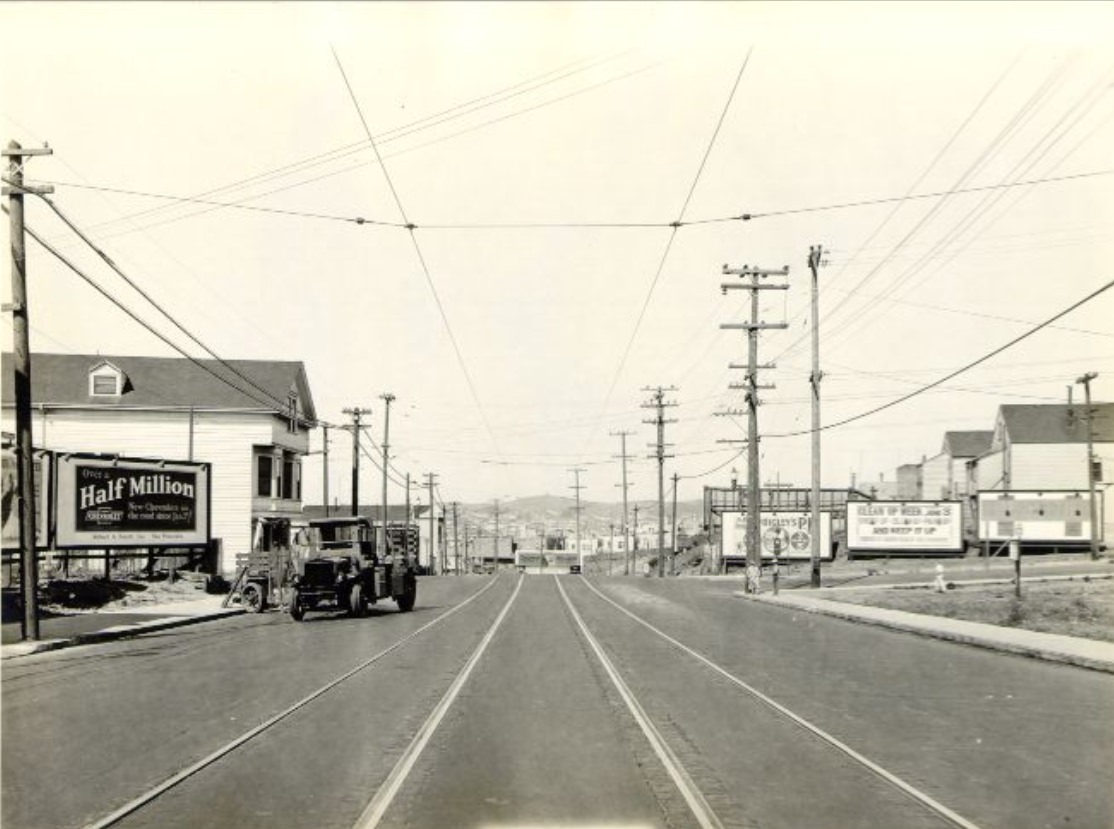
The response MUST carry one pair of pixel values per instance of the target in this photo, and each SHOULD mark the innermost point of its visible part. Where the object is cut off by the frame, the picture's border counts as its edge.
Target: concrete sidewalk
(107, 625)
(1085, 653)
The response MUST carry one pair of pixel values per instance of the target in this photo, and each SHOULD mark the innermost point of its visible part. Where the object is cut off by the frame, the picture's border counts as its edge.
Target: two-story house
(252, 426)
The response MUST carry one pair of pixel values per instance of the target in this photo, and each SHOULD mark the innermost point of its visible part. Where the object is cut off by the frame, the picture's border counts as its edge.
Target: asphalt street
(553, 701)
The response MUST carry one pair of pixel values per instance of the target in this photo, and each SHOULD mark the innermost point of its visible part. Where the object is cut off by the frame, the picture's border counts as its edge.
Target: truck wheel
(251, 597)
(357, 601)
(296, 609)
(407, 599)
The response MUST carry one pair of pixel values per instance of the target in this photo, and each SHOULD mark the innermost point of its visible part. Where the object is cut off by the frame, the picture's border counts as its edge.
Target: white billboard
(1043, 517)
(905, 526)
(129, 502)
(788, 535)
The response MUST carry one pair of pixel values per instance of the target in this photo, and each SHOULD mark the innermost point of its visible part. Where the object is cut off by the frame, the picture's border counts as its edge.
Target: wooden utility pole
(456, 539)
(634, 543)
(626, 528)
(325, 466)
(14, 189)
(387, 398)
(657, 402)
(754, 550)
(432, 517)
(577, 486)
(814, 255)
(495, 554)
(356, 413)
(1086, 381)
(673, 561)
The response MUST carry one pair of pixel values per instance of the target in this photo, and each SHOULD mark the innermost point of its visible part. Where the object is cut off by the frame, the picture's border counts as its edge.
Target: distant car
(574, 569)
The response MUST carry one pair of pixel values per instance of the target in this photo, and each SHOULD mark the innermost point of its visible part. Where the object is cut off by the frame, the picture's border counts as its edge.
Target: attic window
(292, 412)
(106, 380)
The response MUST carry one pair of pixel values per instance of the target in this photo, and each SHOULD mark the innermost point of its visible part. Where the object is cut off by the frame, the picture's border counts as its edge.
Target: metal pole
(406, 531)
(432, 529)
(495, 547)
(456, 540)
(661, 485)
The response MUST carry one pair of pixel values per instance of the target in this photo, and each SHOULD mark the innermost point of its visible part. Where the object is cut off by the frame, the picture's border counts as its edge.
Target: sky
(549, 193)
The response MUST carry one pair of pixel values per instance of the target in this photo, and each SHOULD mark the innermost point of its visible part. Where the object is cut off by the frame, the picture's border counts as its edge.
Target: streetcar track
(691, 793)
(385, 795)
(169, 783)
(907, 789)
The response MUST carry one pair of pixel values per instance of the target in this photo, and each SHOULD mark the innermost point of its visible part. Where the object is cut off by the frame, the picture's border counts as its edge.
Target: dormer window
(106, 380)
(292, 413)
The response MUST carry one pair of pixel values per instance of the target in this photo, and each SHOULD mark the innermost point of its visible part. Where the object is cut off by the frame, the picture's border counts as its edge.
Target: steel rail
(385, 795)
(889, 777)
(695, 799)
(156, 791)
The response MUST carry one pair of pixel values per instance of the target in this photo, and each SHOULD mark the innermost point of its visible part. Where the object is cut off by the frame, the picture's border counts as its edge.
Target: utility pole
(626, 530)
(611, 549)
(673, 561)
(407, 528)
(432, 515)
(325, 466)
(657, 402)
(634, 544)
(495, 555)
(14, 189)
(814, 260)
(577, 486)
(754, 551)
(356, 414)
(456, 539)
(444, 541)
(387, 398)
(1086, 381)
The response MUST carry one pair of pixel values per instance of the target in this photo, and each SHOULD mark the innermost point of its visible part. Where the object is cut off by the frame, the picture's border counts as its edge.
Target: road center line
(681, 778)
(889, 777)
(374, 811)
(145, 798)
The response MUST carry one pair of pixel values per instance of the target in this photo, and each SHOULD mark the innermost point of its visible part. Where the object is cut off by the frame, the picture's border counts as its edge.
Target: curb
(20, 649)
(1035, 651)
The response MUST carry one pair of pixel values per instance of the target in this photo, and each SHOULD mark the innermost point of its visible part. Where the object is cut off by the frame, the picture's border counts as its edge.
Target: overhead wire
(957, 372)
(418, 250)
(675, 225)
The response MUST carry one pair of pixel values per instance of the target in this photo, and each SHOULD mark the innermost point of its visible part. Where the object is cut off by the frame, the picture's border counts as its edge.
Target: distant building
(254, 432)
(1044, 447)
(944, 476)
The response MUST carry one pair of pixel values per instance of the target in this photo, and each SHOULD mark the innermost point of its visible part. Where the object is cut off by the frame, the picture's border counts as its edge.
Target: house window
(266, 471)
(1096, 470)
(292, 413)
(106, 385)
(288, 478)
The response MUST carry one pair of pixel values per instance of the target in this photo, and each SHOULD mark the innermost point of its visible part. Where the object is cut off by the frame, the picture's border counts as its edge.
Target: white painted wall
(222, 439)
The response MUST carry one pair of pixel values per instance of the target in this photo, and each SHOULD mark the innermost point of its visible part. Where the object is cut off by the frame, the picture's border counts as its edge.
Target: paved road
(555, 701)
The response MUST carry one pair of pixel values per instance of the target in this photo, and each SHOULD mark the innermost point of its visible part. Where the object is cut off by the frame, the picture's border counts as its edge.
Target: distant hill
(559, 511)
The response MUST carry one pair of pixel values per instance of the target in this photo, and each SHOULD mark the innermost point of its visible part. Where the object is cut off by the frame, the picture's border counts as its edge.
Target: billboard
(905, 526)
(1043, 517)
(788, 535)
(131, 502)
(43, 507)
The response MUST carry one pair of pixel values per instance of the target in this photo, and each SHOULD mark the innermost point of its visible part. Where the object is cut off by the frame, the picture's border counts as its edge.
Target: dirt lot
(1071, 608)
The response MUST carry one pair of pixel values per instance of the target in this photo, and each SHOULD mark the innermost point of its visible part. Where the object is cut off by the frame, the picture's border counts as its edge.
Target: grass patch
(1070, 608)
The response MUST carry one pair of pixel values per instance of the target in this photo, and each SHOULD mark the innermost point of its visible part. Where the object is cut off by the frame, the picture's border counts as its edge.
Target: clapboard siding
(1048, 466)
(222, 439)
(936, 478)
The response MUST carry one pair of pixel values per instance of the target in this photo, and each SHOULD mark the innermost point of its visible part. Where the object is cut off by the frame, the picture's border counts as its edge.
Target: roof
(967, 444)
(1057, 423)
(172, 382)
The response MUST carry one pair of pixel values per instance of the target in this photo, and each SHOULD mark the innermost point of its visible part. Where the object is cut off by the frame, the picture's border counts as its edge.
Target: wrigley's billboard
(127, 502)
